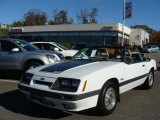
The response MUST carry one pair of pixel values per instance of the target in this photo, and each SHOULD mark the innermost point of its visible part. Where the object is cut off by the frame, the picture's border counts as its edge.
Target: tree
(93, 15)
(18, 23)
(144, 27)
(71, 21)
(35, 17)
(87, 16)
(4, 33)
(59, 17)
(155, 37)
(83, 16)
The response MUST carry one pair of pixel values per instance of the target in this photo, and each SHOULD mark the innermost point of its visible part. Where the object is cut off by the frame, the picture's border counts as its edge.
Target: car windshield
(103, 53)
(27, 46)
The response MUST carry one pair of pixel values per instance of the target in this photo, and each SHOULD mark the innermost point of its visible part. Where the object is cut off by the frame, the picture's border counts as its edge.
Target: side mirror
(56, 49)
(147, 57)
(15, 50)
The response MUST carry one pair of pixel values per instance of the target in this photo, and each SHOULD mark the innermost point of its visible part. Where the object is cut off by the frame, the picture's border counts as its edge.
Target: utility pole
(124, 6)
(127, 13)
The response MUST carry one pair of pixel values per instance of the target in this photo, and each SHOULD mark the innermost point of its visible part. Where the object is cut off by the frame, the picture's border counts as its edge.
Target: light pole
(124, 2)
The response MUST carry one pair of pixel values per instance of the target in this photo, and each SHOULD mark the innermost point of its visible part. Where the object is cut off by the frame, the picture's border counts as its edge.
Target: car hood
(67, 65)
(73, 68)
(71, 52)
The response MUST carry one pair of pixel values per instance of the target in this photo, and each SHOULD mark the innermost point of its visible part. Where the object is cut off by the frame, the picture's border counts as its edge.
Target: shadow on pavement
(17, 103)
(11, 74)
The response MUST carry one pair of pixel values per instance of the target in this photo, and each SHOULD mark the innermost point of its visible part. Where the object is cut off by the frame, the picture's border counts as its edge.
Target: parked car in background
(151, 48)
(53, 46)
(95, 77)
(20, 55)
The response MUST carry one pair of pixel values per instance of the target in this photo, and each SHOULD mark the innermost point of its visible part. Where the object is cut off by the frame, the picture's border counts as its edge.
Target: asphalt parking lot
(136, 104)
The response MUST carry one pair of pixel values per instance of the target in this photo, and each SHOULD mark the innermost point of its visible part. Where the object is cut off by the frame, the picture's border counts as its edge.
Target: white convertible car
(95, 77)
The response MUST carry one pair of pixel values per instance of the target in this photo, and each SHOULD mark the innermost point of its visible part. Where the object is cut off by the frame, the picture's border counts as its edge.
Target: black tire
(31, 65)
(107, 100)
(149, 81)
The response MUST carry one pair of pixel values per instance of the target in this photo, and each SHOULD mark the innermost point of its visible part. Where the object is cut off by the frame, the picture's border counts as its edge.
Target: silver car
(20, 55)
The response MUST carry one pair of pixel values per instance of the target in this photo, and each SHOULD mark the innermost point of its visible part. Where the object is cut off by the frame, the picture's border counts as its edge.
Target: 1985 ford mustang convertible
(95, 77)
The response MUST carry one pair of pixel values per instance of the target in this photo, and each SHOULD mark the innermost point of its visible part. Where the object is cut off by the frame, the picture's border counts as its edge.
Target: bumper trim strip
(59, 95)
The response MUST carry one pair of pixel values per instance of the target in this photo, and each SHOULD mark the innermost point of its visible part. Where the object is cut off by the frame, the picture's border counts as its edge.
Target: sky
(144, 12)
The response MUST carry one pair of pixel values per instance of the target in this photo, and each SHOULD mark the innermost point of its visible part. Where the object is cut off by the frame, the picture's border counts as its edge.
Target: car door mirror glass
(15, 50)
(56, 49)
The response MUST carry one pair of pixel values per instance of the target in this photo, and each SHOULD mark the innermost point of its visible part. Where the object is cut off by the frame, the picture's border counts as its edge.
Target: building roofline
(71, 27)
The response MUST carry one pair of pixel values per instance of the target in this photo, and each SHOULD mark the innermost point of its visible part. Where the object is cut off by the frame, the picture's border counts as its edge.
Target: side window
(7, 46)
(47, 46)
(133, 56)
(51, 47)
(39, 45)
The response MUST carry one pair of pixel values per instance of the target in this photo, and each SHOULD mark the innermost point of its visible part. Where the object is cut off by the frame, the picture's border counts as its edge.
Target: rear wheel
(149, 81)
(107, 99)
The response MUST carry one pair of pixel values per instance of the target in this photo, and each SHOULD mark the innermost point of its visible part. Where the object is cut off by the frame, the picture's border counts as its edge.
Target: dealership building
(91, 34)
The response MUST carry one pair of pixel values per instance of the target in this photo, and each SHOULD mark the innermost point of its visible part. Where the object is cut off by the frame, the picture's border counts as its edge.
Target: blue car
(151, 48)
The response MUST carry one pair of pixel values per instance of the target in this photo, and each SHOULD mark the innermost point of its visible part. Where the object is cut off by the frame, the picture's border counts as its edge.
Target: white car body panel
(69, 52)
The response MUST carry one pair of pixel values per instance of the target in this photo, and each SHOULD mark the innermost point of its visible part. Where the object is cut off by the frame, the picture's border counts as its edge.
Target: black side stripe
(132, 80)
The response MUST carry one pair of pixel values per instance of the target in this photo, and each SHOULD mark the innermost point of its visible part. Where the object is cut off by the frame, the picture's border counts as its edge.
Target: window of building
(73, 33)
(97, 33)
(85, 33)
(53, 34)
(110, 34)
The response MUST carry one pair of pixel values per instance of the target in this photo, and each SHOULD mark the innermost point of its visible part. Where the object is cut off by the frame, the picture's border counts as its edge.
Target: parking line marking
(12, 81)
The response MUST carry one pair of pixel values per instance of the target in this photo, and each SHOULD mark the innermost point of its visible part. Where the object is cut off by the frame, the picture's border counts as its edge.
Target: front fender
(96, 80)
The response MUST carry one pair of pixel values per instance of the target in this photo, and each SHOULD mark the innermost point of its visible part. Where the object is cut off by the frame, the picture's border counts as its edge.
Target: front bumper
(59, 100)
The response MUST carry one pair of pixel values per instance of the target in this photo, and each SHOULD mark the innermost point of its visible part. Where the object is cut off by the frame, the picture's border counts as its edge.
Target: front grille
(42, 83)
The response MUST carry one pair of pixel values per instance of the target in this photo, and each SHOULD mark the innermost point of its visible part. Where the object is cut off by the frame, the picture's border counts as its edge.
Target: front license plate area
(39, 97)
(36, 96)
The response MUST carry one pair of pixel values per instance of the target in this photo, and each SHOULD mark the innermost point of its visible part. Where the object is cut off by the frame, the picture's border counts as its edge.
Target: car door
(10, 56)
(135, 73)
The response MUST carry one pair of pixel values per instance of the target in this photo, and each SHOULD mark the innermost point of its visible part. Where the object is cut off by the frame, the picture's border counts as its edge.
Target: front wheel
(32, 65)
(149, 81)
(107, 99)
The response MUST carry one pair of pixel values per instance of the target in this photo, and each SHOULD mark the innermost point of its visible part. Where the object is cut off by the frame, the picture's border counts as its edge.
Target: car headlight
(50, 56)
(26, 79)
(66, 84)
(61, 56)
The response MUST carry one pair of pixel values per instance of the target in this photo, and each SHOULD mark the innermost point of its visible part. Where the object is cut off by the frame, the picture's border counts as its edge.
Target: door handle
(143, 65)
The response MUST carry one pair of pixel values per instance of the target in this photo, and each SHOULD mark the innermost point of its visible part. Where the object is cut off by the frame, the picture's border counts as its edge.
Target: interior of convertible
(116, 54)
